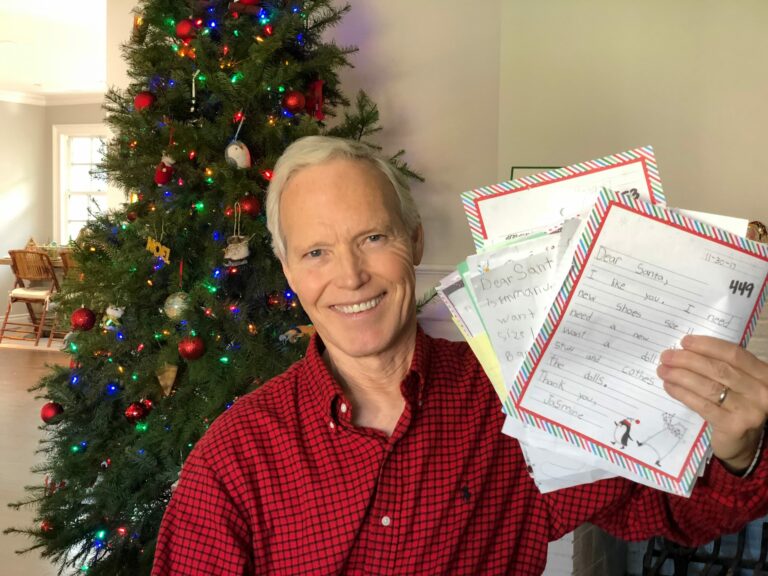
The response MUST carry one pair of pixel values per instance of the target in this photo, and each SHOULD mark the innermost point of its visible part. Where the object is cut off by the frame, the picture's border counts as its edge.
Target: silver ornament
(176, 304)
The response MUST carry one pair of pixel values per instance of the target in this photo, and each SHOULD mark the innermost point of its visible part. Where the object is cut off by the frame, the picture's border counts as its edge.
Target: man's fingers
(713, 373)
(702, 405)
(728, 353)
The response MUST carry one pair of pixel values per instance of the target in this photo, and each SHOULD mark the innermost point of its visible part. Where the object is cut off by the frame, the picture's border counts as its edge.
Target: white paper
(551, 203)
(644, 287)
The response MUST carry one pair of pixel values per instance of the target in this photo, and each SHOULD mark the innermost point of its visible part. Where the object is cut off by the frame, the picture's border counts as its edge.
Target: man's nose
(352, 270)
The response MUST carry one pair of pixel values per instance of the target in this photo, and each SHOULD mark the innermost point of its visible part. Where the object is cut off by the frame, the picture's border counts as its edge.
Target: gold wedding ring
(723, 395)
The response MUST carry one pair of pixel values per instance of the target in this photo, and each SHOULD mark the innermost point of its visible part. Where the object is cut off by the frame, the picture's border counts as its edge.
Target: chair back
(33, 266)
(67, 260)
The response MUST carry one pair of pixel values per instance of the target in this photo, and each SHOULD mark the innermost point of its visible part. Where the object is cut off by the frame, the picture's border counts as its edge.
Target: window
(77, 188)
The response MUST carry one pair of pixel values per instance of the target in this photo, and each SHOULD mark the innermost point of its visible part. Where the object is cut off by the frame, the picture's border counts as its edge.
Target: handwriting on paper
(644, 286)
(514, 288)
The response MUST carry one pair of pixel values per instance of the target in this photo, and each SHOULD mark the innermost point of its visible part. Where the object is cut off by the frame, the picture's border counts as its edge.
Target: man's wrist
(744, 466)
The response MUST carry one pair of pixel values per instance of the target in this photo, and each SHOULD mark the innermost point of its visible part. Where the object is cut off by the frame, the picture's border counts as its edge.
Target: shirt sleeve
(721, 503)
(202, 531)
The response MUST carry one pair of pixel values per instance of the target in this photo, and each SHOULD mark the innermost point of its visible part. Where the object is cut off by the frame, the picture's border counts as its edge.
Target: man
(381, 451)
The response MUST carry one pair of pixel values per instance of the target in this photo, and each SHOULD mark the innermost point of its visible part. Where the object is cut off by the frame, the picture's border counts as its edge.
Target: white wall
(432, 67)
(119, 28)
(585, 79)
(22, 180)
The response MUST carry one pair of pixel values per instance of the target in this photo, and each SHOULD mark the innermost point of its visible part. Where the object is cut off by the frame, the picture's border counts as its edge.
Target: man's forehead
(362, 181)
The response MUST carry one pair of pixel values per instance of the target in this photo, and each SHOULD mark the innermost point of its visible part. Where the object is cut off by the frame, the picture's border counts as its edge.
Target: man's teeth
(362, 307)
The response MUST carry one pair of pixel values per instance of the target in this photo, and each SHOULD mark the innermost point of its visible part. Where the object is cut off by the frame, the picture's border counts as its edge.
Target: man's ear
(418, 244)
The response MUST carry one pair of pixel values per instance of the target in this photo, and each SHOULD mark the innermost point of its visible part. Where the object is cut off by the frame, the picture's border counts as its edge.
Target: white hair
(314, 150)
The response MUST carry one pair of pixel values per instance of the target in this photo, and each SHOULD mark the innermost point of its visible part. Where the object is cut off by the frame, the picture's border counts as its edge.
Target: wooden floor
(19, 421)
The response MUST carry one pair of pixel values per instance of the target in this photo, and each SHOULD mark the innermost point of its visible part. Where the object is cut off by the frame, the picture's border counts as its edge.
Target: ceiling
(53, 48)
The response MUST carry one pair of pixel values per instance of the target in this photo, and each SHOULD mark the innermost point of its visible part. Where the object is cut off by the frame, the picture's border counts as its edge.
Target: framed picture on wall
(521, 171)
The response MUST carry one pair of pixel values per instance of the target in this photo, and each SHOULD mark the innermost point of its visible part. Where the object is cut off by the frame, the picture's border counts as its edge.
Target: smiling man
(381, 451)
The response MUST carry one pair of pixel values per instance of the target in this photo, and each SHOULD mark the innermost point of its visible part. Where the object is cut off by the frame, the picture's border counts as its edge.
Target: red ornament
(248, 2)
(185, 29)
(132, 215)
(143, 100)
(294, 101)
(315, 99)
(274, 301)
(191, 347)
(46, 526)
(135, 412)
(51, 411)
(82, 319)
(250, 205)
(164, 171)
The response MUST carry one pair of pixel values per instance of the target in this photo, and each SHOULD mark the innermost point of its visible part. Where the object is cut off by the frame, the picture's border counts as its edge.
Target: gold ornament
(166, 375)
(756, 231)
(158, 250)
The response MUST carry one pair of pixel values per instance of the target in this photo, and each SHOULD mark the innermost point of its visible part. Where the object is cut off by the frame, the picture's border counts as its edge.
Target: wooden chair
(67, 261)
(35, 283)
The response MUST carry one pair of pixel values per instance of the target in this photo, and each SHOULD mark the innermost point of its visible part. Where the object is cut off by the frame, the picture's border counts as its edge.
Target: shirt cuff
(725, 481)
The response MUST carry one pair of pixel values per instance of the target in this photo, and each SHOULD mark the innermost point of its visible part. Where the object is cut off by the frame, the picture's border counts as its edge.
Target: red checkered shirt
(283, 483)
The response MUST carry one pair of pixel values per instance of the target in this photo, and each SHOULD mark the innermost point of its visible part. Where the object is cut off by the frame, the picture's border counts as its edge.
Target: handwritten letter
(644, 285)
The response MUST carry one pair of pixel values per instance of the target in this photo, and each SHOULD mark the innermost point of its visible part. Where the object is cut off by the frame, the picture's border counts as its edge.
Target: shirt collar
(324, 391)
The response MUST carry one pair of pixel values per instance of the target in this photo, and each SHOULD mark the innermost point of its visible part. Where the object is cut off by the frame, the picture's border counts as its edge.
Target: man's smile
(360, 306)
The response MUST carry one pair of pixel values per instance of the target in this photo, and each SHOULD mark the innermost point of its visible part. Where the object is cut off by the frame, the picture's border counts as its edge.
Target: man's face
(349, 257)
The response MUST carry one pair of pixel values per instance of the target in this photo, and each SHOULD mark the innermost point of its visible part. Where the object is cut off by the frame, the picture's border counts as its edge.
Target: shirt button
(331, 425)
(343, 408)
(386, 520)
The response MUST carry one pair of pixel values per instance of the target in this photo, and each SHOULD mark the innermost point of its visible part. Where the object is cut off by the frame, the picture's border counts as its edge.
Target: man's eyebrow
(377, 229)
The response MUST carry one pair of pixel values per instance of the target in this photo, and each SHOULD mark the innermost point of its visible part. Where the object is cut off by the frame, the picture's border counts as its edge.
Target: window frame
(61, 133)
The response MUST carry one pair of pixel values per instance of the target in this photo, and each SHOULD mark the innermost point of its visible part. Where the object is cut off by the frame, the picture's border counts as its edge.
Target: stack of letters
(582, 277)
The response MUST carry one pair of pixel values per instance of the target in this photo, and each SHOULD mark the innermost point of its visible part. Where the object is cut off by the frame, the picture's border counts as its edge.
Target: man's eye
(316, 253)
(375, 237)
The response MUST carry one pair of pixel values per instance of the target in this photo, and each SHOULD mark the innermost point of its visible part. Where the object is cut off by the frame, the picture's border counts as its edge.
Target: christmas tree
(177, 304)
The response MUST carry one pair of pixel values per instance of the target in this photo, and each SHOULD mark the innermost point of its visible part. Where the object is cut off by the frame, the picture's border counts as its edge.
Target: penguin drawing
(621, 432)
